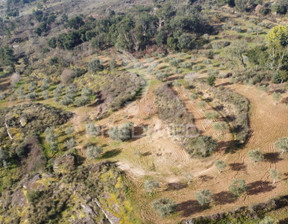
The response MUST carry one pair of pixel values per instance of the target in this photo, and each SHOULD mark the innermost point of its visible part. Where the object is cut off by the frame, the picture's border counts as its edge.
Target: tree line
(178, 29)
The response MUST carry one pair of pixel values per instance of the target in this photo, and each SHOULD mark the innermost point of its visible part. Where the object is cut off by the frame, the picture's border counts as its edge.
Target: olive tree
(70, 143)
(164, 206)
(238, 187)
(204, 197)
(202, 146)
(95, 66)
(92, 129)
(282, 145)
(150, 185)
(122, 133)
(221, 165)
(256, 155)
(51, 138)
(275, 175)
(93, 151)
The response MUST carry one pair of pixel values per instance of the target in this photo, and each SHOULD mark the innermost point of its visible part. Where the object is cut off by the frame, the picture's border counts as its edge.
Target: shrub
(282, 145)
(33, 196)
(3, 157)
(69, 130)
(70, 143)
(45, 94)
(175, 62)
(32, 87)
(32, 96)
(51, 138)
(220, 126)
(164, 206)
(267, 220)
(193, 96)
(93, 151)
(275, 175)
(151, 184)
(92, 129)
(202, 146)
(86, 92)
(277, 97)
(202, 104)
(66, 100)
(221, 165)
(203, 197)
(238, 187)
(95, 66)
(255, 155)
(211, 80)
(123, 133)
(45, 84)
(71, 91)
(2, 96)
(212, 115)
(82, 101)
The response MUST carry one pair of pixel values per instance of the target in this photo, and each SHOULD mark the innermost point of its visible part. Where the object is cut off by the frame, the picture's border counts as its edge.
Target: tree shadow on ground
(224, 197)
(176, 186)
(146, 154)
(189, 208)
(111, 153)
(272, 157)
(258, 187)
(237, 166)
(225, 146)
(205, 178)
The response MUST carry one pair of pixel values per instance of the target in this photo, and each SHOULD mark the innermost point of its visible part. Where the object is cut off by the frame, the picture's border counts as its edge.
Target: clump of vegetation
(212, 115)
(256, 155)
(95, 66)
(150, 185)
(170, 107)
(275, 175)
(221, 165)
(92, 129)
(122, 133)
(164, 206)
(202, 146)
(93, 151)
(238, 187)
(203, 197)
(118, 90)
(282, 145)
(267, 220)
(227, 98)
